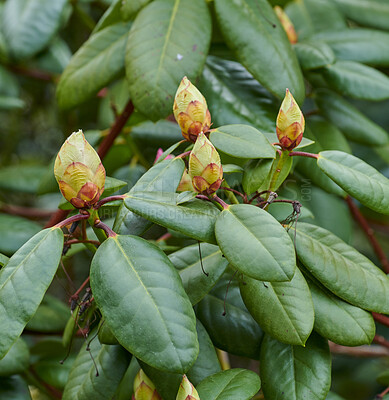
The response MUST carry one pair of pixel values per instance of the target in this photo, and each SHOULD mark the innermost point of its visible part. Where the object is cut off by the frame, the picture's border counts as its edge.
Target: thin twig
(72, 219)
(366, 351)
(382, 394)
(30, 213)
(382, 319)
(105, 228)
(381, 340)
(108, 199)
(303, 154)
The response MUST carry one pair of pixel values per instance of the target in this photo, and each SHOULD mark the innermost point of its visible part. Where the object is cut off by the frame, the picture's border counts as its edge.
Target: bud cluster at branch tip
(79, 172)
(205, 167)
(187, 391)
(144, 389)
(191, 111)
(286, 24)
(290, 123)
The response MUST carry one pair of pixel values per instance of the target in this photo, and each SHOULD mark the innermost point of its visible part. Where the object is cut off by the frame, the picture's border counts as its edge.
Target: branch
(30, 213)
(33, 73)
(382, 319)
(303, 154)
(360, 351)
(381, 340)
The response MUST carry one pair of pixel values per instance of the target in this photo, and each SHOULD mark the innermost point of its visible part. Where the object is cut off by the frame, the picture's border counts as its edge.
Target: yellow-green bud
(191, 110)
(187, 391)
(290, 123)
(205, 167)
(144, 389)
(286, 24)
(185, 183)
(79, 171)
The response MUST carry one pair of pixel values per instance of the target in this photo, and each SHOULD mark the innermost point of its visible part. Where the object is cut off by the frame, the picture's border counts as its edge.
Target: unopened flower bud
(144, 389)
(185, 183)
(191, 110)
(290, 123)
(286, 24)
(187, 391)
(205, 167)
(79, 171)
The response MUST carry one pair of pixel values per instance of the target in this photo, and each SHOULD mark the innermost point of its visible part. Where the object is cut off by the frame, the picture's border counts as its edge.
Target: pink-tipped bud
(187, 390)
(286, 24)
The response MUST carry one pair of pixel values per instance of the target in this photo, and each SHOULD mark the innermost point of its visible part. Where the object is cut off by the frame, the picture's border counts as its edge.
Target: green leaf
(22, 178)
(283, 310)
(339, 321)
(188, 263)
(98, 61)
(3, 260)
(158, 58)
(356, 126)
(196, 218)
(314, 54)
(111, 365)
(14, 388)
(110, 17)
(105, 334)
(286, 167)
(251, 27)
(341, 268)
(16, 360)
(357, 178)
(255, 175)
(129, 8)
(29, 25)
(144, 303)
(255, 243)
(334, 396)
(295, 372)
(161, 133)
(357, 80)
(24, 281)
(366, 46)
(242, 141)
(234, 383)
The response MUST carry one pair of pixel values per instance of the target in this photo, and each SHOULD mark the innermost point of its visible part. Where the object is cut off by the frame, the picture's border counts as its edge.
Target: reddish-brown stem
(220, 201)
(381, 340)
(75, 241)
(75, 295)
(303, 154)
(382, 319)
(369, 232)
(202, 197)
(371, 351)
(258, 195)
(183, 155)
(234, 191)
(57, 394)
(382, 394)
(33, 73)
(108, 199)
(30, 213)
(165, 236)
(105, 228)
(72, 219)
(58, 216)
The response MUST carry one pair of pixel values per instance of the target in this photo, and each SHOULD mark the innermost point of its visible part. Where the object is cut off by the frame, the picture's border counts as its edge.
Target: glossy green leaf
(110, 17)
(21, 178)
(280, 178)
(242, 141)
(248, 27)
(14, 388)
(255, 175)
(143, 301)
(283, 310)
(16, 360)
(161, 133)
(29, 25)
(125, 388)
(188, 263)
(255, 243)
(362, 45)
(356, 126)
(24, 281)
(295, 372)
(339, 321)
(357, 80)
(234, 383)
(111, 364)
(334, 263)
(334, 396)
(129, 8)
(196, 218)
(98, 61)
(3, 260)
(105, 334)
(314, 54)
(158, 58)
(357, 178)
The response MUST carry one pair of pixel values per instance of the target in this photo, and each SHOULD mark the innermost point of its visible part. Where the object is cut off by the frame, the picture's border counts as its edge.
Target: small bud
(187, 391)
(191, 110)
(205, 167)
(286, 24)
(290, 123)
(79, 171)
(185, 183)
(144, 389)
(159, 154)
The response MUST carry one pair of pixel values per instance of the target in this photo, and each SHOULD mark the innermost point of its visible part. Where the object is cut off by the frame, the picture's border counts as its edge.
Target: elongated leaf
(313, 54)
(255, 243)
(362, 45)
(111, 364)
(16, 360)
(144, 303)
(255, 175)
(112, 16)
(14, 388)
(188, 262)
(196, 218)
(3, 260)
(250, 27)
(98, 61)
(129, 8)
(235, 383)
(295, 372)
(341, 268)
(283, 310)
(29, 25)
(339, 321)
(349, 120)
(158, 58)
(161, 133)
(242, 141)
(357, 80)
(357, 178)
(24, 281)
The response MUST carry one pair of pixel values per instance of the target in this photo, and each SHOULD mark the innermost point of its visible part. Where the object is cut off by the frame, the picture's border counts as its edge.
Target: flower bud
(205, 168)
(290, 123)
(144, 389)
(185, 183)
(187, 391)
(79, 171)
(286, 24)
(191, 110)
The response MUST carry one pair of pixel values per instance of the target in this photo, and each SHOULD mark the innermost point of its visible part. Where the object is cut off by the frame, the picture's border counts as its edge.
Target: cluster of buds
(79, 172)
(187, 391)
(286, 24)
(290, 123)
(191, 110)
(144, 389)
